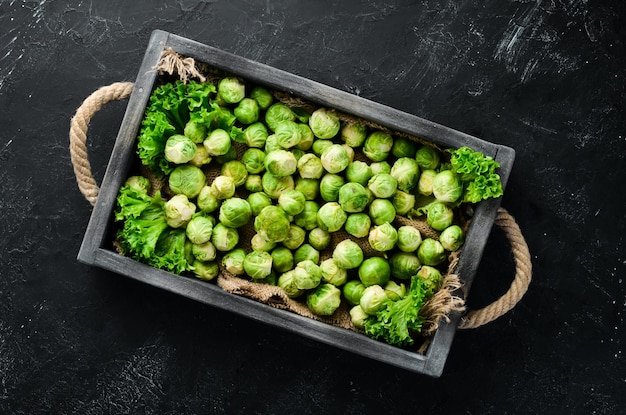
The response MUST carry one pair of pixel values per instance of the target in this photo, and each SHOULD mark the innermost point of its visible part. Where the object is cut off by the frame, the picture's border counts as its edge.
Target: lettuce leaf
(478, 173)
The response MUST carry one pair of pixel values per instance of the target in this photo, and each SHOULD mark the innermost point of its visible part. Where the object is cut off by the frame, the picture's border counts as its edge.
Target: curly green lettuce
(478, 173)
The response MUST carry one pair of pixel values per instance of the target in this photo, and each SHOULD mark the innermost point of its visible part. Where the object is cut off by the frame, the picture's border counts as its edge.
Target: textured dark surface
(543, 77)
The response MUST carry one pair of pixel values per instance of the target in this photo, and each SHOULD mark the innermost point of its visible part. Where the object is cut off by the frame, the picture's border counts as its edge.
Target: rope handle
(504, 220)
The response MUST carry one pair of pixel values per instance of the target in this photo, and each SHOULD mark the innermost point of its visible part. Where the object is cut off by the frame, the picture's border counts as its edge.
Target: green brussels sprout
(310, 188)
(195, 130)
(287, 134)
(272, 223)
(433, 276)
(329, 187)
(292, 201)
(404, 265)
(439, 216)
(235, 212)
(324, 123)
(383, 185)
(178, 211)
(353, 197)
(287, 281)
(223, 187)
(254, 183)
(206, 271)
(231, 154)
(335, 158)
(201, 158)
(308, 274)
(224, 238)
(427, 157)
(431, 252)
(276, 113)
(352, 291)
(350, 152)
(374, 271)
(199, 229)
(259, 244)
(353, 134)
(452, 238)
(306, 252)
(233, 261)
(187, 180)
(271, 144)
(231, 90)
(247, 111)
(319, 146)
(348, 254)
(447, 186)
(207, 201)
(271, 279)
(275, 185)
(217, 143)
(235, 170)
(378, 145)
(359, 172)
(179, 149)
(307, 219)
(139, 184)
(324, 300)
(331, 217)
(297, 153)
(306, 137)
(262, 96)
(258, 264)
(383, 237)
(380, 167)
(253, 160)
(394, 290)
(255, 135)
(282, 259)
(295, 237)
(257, 201)
(382, 211)
(425, 183)
(409, 238)
(332, 273)
(319, 239)
(310, 166)
(373, 299)
(280, 163)
(358, 225)
(403, 202)
(406, 172)
(403, 147)
(358, 317)
(204, 252)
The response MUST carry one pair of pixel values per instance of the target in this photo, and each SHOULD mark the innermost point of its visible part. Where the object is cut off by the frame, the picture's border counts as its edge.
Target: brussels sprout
(223, 187)
(335, 158)
(332, 273)
(271, 279)
(231, 154)
(403, 147)
(178, 211)
(404, 265)
(201, 158)
(253, 160)
(262, 96)
(295, 237)
(310, 188)
(253, 183)
(195, 130)
(233, 261)
(353, 290)
(353, 197)
(319, 146)
(247, 111)
(409, 238)
(139, 184)
(276, 113)
(259, 244)
(359, 172)
(199, 229)
(255, 135)
(258, 264)
(348, 254)
(287, 134)
(271, 144)
(383, 237)
(231, 90)
(235, 212)
(329, 187)
(287, 281)
(378, 145)
(406, 172)
(380, 167)
(324, 300)
(358, 225)
(350, 152)
(306, 137)
(306, 252)
(310, 166)
(431, 252)
(292, 201)
(282, 259)
(297, 153)
(224, 238)
(257, 201)
(275, 185)
(439, 216)
(205, 270)
(452, 238)
(353, 134)
(307, 219)
(374, 271)
(383, 185)
(373, 299)
(358, 317)
(433, 276)
(308, 274)
(187, 180)
(447, 186)
(324, 123)
(179, 149)
(272, 223)
(382, 211)
(403, 202)
(217, 142)
(280, 163)
(394, 290)
(319, 239)
(425, 183)
(331, 217)
(427, 157)
(235, 170)
(207, 201)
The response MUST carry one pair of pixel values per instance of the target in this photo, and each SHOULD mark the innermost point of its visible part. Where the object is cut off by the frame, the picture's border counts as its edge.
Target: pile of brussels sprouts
(299, 199)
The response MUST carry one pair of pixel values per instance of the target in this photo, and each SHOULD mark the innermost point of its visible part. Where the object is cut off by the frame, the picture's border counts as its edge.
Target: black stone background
(545, 77)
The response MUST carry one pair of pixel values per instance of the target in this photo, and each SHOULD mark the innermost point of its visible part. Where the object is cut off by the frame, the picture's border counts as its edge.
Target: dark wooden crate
(96, 245)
